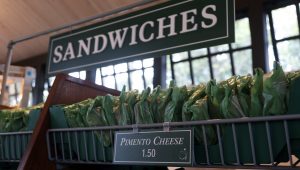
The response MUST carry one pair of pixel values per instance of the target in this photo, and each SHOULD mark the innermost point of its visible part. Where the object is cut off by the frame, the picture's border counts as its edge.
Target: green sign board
(172, 26)
(154, 147)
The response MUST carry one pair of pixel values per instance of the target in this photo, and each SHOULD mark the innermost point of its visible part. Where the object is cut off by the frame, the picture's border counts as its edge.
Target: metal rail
(82, 21)
(62, 27)
(191, 123)
(6, 70)
(247, 143)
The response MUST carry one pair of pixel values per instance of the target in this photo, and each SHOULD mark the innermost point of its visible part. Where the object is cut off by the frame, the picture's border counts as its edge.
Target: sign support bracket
(135, 128)
(166, 126)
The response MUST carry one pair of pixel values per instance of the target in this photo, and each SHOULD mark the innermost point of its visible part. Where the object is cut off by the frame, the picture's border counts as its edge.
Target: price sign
(154, 147)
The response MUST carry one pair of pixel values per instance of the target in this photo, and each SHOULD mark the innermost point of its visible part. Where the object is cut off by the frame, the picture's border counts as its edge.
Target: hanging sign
(173, 26)
(154, 147)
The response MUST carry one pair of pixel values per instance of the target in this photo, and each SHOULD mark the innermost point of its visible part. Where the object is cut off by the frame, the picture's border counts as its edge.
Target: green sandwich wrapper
(260, 140)
(12, 147)
(294, 108)
(101, 152)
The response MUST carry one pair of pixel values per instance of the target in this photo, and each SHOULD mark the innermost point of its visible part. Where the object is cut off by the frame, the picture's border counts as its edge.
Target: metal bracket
(135, 128)
(166, 126)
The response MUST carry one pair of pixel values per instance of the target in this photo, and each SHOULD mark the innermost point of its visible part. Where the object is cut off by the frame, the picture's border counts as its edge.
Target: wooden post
(258, 34)
(65, 90)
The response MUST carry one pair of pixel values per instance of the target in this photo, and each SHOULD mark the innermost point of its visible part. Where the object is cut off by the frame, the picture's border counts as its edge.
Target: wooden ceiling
(19, 18)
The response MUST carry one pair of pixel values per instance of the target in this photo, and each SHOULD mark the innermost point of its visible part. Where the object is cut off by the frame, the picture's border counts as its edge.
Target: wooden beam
(258, 34)
(241, 4)
(65, 90)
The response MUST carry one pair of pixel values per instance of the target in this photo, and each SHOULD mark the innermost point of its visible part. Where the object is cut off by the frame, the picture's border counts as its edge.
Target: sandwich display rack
(258, 142)
(269, 142)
